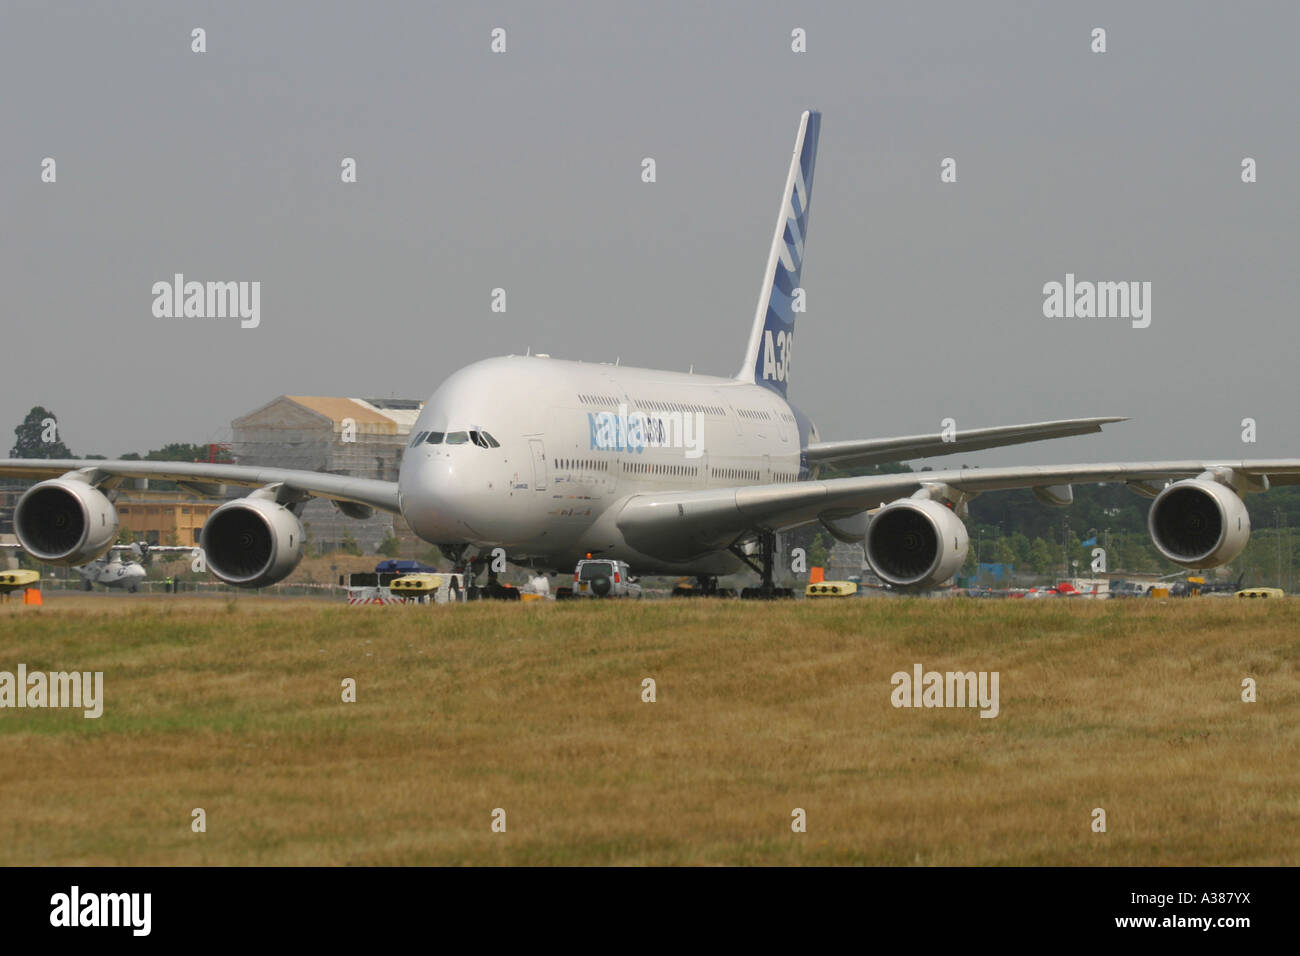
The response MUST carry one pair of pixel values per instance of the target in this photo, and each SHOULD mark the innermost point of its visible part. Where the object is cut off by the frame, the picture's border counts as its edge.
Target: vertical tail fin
(767, 359)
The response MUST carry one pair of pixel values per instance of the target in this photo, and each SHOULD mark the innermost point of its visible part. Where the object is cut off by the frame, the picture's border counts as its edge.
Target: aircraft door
(539, 464)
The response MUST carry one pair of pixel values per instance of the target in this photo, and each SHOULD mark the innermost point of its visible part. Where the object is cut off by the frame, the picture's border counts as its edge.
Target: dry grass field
(235, 706)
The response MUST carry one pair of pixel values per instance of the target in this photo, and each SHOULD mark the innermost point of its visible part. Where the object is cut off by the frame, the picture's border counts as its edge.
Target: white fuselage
(573, 441)
(113, 574)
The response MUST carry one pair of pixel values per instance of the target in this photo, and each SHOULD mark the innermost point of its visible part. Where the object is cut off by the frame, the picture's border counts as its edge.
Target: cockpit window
(418, 438)
(457, 438)
(435, 438)
(483, 439)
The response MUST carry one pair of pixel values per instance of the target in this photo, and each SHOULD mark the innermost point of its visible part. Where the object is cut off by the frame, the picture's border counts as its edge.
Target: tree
(1020, 547)
(390, 546)
(175, 451)
(349, 544)
(1002, 552)
(817, 553)
(1041, 558)
(38, 437)
(181, 451)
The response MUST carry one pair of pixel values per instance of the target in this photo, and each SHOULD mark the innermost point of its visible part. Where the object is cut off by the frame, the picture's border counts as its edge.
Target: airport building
(163, 517)
(9, 496)
(360, 437)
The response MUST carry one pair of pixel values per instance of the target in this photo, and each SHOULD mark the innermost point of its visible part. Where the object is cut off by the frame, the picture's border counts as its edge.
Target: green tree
(1041, 558)
(349, 544)
(390, 546)
(38, 437)
(1001, 553)
(184, 451)
(817, 553)
(1020, 547)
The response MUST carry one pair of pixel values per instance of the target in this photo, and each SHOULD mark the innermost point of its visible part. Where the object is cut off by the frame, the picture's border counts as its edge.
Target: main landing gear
(766, 591)
(706, 585)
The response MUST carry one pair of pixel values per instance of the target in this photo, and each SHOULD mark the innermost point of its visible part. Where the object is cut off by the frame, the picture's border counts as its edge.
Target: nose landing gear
(470, 568)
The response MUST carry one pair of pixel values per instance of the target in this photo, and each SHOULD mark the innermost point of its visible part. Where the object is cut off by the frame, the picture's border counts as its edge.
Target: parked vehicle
(604, 577)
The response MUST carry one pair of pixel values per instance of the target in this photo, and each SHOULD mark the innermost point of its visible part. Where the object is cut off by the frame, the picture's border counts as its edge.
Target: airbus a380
(674, 473)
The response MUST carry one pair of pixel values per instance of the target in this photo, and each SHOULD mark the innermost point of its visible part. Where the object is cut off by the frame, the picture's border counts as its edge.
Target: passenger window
(435, 438)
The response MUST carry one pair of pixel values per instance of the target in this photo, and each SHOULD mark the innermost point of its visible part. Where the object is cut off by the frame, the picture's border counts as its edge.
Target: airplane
(675, 473)
(110, 571)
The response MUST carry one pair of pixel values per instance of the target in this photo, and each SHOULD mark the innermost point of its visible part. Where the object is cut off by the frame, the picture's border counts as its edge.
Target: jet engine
(916, 543)
(65, 521)
(1199, 524)
(252, 542)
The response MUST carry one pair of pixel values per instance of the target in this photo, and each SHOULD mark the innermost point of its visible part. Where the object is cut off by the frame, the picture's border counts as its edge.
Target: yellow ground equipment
(18, 581)
(831, 589)
(1260, 593)
(415, 585)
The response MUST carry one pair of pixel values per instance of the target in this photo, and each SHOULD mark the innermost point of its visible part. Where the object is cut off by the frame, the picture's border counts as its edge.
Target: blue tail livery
(771, 341)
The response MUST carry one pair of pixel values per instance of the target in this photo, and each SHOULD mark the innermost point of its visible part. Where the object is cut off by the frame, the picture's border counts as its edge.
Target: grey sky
(522, 171)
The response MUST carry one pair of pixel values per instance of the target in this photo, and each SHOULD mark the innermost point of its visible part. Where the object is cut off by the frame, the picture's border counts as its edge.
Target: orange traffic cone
(33, 596)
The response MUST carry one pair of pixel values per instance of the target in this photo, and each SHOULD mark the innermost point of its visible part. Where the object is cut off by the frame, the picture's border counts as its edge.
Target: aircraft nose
(431, 499)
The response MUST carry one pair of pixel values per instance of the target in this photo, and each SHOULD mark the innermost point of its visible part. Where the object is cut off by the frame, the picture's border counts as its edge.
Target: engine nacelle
(65, 521)
(916, 543)
(1198, 524)
(252, 542)
(851, 529)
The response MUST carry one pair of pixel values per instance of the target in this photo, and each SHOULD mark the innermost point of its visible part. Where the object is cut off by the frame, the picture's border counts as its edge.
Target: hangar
(361, 437)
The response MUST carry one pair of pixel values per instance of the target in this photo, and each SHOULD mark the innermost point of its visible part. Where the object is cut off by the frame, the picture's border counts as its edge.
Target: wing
(682, 525)
(204, 478)
(874, 451)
